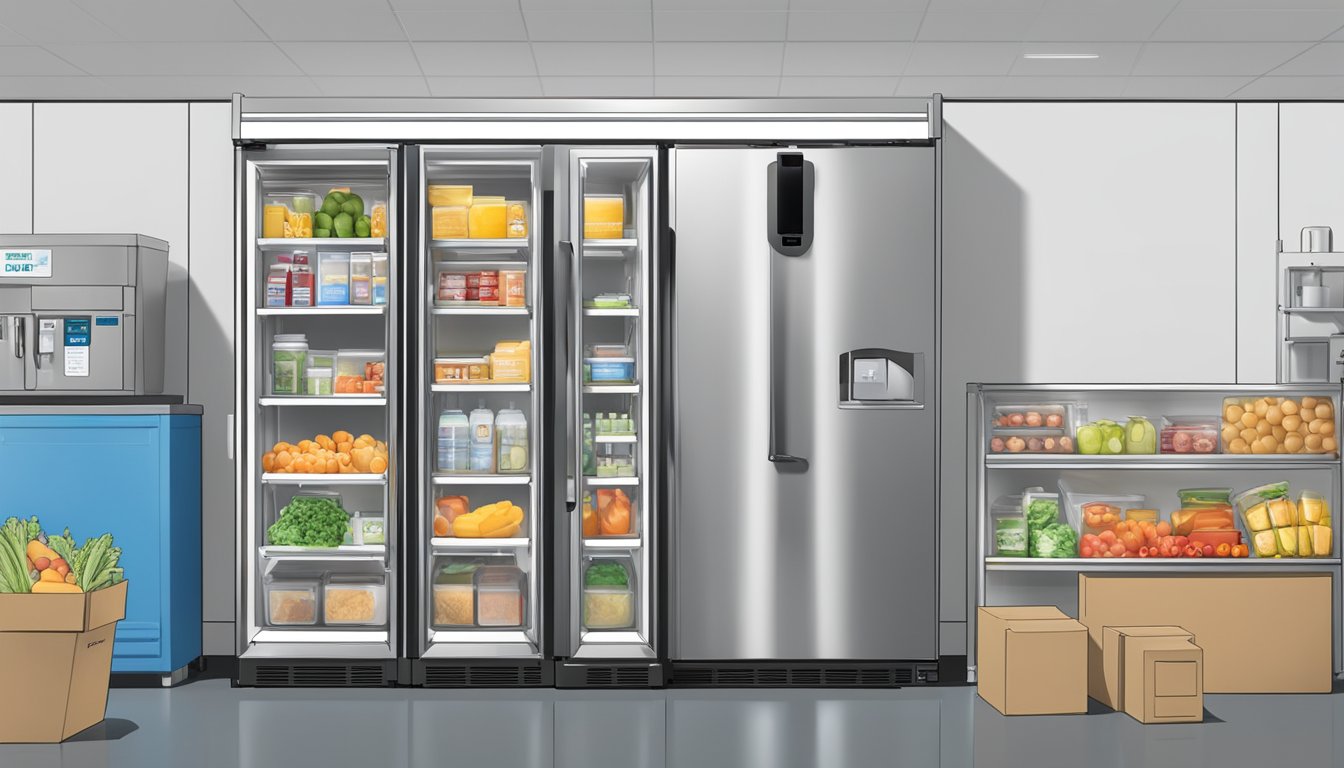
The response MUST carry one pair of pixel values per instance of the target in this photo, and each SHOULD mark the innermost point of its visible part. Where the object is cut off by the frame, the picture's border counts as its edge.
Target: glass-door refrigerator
(606, 535)
(479, 564)
(317, 427)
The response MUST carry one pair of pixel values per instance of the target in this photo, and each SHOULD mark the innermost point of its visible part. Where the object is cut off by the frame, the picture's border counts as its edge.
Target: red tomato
(1085, 550)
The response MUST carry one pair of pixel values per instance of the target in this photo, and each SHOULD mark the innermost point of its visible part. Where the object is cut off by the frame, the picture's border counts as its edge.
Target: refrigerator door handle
(789, 231)
(19, 340)
(571, 390)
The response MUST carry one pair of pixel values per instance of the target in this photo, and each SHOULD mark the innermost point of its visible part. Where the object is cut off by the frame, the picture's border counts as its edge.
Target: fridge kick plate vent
(319, 676)
(786, 676)
(458, 676)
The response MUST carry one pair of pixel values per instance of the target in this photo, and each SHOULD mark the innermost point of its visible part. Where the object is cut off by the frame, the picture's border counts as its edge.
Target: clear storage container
(1007, 527)
(289, 363)
(449, 222)
(355, 599)
(361, 277)
(460, 370)
(608, 595)
(333, 278)
(501, 592)
(370, 528)
(317, 381)
(359, 371)
(603, 216)
(1033, 427)
(288, 214)
(379, 277)
(454, 442)
(455, 593)
(291, 602)
(1097, 512)
(1189, 434)
(322, 358)
(511, 432)
(515, 218)
(609, 370)
(609, 350)
(615, 460)
(449, 194)
(1274, 425)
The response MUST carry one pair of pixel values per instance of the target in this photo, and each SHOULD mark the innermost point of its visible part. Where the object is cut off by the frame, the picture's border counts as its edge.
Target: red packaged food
(1189, 434)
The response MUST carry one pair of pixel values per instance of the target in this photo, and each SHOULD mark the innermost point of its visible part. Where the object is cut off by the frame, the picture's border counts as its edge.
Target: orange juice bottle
(378, 220)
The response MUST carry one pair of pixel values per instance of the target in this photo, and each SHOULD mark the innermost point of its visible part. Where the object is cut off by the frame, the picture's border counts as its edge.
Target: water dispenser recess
(881, 378)
(82, 314)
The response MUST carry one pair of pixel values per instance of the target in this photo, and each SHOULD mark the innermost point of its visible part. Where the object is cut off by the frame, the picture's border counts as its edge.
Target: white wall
(16, 168)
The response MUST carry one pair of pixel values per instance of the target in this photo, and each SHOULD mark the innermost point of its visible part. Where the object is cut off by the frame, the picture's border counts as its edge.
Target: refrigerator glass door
(612, 575)
(804, 518)
(315, 421)
(478, 422)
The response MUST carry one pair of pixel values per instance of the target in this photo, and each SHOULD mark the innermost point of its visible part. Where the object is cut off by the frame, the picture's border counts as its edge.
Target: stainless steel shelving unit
(1035, 581)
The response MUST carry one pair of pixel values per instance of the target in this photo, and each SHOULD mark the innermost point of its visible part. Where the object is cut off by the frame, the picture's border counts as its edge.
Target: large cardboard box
(58, 657)
(1164, 680)
(1108, 687)
(1261, 633)
(1031, 660)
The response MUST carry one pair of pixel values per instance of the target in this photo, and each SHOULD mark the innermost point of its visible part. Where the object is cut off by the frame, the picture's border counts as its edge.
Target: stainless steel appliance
(803, 446)
(82, 314)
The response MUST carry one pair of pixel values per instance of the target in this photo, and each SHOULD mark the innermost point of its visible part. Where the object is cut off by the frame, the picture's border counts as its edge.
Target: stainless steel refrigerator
(802, 386)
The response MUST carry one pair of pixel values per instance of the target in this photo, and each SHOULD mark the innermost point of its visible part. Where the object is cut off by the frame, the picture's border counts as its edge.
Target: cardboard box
(58, 652)
(1238, 620)
(1108, 687)
(1031, 660)
(1164, 680)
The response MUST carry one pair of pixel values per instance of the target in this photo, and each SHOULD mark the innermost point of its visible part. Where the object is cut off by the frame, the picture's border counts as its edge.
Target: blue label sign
(77, 332)
(25, 263)
(106, 320)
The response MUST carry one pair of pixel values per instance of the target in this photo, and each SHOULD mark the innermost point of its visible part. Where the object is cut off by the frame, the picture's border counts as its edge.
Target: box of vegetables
(59, 608)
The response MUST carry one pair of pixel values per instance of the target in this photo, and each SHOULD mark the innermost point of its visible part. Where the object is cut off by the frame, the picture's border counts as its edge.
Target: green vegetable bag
(1046, 535)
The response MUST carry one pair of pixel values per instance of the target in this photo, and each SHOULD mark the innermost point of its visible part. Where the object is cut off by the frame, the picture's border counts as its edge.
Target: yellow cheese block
(1263, 543)
(1304, 541)
(1287, 542)
(603, 216)
(449, 221)
(1322, 544)
(450, 194)
(487, 220)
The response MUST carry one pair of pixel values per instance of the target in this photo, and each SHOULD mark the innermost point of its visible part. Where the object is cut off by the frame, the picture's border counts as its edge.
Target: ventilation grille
(795, 677)
(616, 677)
(443, 676)
(320, 676)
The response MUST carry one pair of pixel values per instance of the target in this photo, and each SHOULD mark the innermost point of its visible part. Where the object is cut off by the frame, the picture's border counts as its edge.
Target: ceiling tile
(82, 87)
(484, 87)
(743, 59)
(20, 60)
(963, 58)
(1263, 26)
(1183, 87)
(1134, 24)
(893, 6)
(1270, 5)
(452, 5)
(593, 59)
(719, 25)
(463, 25)
(178, 59)
(333, 59)
(840, 59)
(330, 20)
(976, 25)
(854, 25)
(1293, 88)
(720, 5)
(1116, 59)
(53, 21)
(580, 26)
(1320, 59)
(1062, 87)
(370, 87)
(837, 86)
(596, 87)
(1108, 6)
(1028, 6)
(951, 87)
(10, 37)
(475, 59)
(206, 87)
(174, 21)
(1227, 59)
(583, 5)
(715, 86)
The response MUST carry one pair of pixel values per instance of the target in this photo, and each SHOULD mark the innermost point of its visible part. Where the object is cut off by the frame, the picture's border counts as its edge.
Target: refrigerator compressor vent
(797, 677)
(491, 677)
(319, 676)
(617, 677)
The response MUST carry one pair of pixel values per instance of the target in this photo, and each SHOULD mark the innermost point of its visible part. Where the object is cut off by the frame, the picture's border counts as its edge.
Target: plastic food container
(1008, 527)
(501, 592)
(511, 432)
(354, 600)
(449, 194)
(454, 442)
(516, 218)
(289, 363)
(615, 459)
(609, 370)
(511, 362)
(333, 278)
(603, 216)
(1143, 515)
(370, 528)
(611, 301)
(1097, 512)
(288, 214)
(1030, 441)
(487, 219)
(455, 594)
(1204, 497)
(1189, 434)
(359, 371)
(449, 222)
(1033, 427)
(361, 277)
(291, 602)
(608, 595)
(451, 286)
(1297, 425)
(322, 358)
(1034, 416)
(379, 276)
(459, 370)
(609, 350)
(317, 381)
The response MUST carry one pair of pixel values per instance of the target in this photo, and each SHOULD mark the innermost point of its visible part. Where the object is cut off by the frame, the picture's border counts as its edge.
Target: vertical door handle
(571, 388)
(789, 231)
(19, 341)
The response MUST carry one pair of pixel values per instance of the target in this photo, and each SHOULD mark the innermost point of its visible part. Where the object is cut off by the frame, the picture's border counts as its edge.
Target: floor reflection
(210, 724)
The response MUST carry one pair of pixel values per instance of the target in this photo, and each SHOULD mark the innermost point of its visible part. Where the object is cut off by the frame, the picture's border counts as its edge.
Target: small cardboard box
(1235, 618)
(1031, 660)
(1164, 680)
(1108, 687)
(58, 651)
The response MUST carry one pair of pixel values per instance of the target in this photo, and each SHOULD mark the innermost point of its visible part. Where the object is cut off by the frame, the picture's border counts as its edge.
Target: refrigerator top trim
(552, 120)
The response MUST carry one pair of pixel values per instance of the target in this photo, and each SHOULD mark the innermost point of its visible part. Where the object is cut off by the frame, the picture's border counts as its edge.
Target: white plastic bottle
(482, 439)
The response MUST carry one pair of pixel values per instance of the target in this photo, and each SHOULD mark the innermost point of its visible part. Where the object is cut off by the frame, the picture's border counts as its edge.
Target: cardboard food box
(1031, 660)
(1164, 680)
(1236, 619)
(1108, 687)
(58, 652)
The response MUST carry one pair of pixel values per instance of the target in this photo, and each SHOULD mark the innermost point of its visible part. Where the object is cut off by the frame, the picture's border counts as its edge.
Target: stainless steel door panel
(837, 561)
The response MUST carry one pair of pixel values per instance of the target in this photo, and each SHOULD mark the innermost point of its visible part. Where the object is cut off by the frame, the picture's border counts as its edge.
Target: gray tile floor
(207, 723)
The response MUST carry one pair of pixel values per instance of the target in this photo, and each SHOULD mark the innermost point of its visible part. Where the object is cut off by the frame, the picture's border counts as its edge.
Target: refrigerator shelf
(344, 552)
(611, 389)
(468, 244)
(1213, 565)
(452, 543)
(602, 482)
(354, 478)
(486, 387)
(484, 635)
(480, 310)
(1240, 462)
(351, 243)
(319, 634)
(348, 309)
(612, 637)
(336, 400)
(616, 439)
(614, 542)
(482, 479)
(610, 244)
(620, 312)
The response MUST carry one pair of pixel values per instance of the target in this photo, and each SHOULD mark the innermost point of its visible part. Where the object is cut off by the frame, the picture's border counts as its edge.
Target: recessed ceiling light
(1061, 56)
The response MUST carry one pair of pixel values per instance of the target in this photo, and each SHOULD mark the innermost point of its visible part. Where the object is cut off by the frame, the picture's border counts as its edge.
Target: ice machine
(82, 314)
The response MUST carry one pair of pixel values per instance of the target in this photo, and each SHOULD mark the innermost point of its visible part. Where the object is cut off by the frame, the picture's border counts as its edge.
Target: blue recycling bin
(133, 471)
